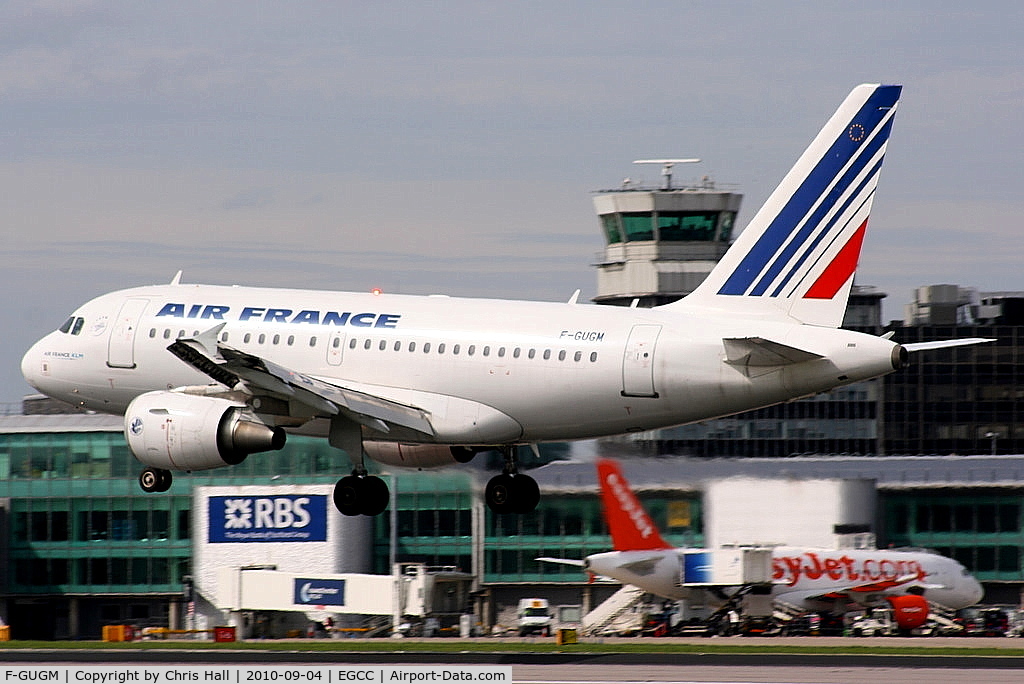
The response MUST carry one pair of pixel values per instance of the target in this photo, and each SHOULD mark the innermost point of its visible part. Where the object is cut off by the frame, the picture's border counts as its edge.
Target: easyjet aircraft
(206, 375)
(810, 578)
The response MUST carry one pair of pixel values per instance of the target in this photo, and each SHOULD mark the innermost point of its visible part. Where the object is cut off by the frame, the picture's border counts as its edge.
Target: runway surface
(608, 668)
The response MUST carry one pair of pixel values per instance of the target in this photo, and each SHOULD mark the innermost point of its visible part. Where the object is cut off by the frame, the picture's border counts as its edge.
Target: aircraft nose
(977, 591)
(31, 365)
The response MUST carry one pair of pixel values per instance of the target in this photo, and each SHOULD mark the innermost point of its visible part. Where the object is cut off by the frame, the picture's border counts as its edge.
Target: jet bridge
(413, 594)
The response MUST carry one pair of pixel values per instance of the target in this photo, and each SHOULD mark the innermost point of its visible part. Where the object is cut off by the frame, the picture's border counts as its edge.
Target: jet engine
(174, 431)
(910, 610)
(418, 455)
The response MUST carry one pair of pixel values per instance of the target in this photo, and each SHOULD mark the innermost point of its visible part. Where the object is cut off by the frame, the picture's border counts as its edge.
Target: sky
(453, 147)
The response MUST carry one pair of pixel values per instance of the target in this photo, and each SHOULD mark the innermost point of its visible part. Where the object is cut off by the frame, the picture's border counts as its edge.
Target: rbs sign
(282, 518)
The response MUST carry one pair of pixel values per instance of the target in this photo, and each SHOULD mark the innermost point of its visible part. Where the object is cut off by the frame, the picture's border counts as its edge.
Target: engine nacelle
(910, 610)
(175, 431)
(417, 455)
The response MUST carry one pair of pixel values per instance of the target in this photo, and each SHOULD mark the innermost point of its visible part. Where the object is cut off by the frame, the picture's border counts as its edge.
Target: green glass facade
(982, 529)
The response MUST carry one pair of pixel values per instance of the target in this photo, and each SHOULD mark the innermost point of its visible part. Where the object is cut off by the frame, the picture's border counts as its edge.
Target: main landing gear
(511, 492)
(361, 494)
(358, 493)
(155, 480)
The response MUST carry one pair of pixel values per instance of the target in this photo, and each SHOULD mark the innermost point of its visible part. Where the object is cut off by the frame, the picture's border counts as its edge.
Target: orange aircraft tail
(630, 526)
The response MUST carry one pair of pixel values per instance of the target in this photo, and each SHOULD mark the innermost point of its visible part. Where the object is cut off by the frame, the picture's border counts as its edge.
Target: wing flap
(229, 366)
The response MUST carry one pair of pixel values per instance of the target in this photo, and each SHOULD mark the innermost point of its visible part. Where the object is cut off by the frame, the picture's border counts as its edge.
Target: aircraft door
(335, 348)
(638, 362)
(121, 345)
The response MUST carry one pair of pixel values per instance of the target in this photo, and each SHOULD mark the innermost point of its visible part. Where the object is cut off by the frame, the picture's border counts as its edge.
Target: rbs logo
(282, 518)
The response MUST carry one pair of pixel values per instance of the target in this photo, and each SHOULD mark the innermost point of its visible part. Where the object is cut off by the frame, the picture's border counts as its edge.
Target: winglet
(630, 526)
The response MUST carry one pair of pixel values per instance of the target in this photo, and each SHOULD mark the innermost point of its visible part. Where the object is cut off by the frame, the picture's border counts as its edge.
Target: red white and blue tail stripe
(798, 255)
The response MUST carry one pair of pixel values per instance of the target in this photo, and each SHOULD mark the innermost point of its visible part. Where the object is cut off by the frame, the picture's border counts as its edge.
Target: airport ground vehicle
(982, 621)
(534, 617)
(874, 622)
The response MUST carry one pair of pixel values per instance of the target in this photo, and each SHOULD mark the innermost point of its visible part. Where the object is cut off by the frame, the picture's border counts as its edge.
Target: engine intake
(175, 431)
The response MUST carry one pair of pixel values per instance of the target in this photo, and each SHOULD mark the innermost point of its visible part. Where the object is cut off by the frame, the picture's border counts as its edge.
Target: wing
(855, 590)
(230, 366)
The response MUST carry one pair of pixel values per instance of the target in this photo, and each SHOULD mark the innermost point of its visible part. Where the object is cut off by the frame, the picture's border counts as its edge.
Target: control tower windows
(638, 225)
(687, 226)
(668, 226)
(610, 224)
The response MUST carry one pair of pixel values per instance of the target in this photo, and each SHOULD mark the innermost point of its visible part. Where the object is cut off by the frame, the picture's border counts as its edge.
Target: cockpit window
(73, 325)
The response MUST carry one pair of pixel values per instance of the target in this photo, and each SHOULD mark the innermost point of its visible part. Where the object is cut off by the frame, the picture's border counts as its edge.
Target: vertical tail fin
(630, 526)
(797, 256)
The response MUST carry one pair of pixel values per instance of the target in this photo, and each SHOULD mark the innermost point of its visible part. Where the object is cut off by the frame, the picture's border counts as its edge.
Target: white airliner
(206, 375)
(809, 578)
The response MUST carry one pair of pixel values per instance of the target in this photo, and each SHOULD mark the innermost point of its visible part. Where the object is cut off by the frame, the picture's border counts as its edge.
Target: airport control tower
(661, 242)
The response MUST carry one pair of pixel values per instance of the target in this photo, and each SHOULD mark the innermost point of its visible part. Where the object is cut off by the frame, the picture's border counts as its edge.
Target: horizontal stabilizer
(757, 351)
(563, 561)
(945, 344)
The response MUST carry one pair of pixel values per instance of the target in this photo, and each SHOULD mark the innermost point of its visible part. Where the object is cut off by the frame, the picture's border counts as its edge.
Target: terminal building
(83, 547)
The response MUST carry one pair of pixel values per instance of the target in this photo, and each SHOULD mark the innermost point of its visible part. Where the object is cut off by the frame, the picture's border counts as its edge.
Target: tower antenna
(666, 167)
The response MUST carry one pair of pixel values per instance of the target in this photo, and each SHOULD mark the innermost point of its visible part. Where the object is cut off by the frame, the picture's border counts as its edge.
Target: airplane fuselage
(487, 371)
(805, 577)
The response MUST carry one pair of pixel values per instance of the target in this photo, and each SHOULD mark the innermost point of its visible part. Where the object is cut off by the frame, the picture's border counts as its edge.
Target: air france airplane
(809, 578)
(206, 375)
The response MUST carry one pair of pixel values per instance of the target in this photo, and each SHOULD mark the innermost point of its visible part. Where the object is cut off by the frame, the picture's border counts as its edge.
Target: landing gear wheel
(346, 495)
(374, 496)
(155, 480)
(527, 494)
(500, 493)
(354, 495)
(508, 493)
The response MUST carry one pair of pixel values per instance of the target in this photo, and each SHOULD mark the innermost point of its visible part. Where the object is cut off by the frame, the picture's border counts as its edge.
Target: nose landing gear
(155, 480)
